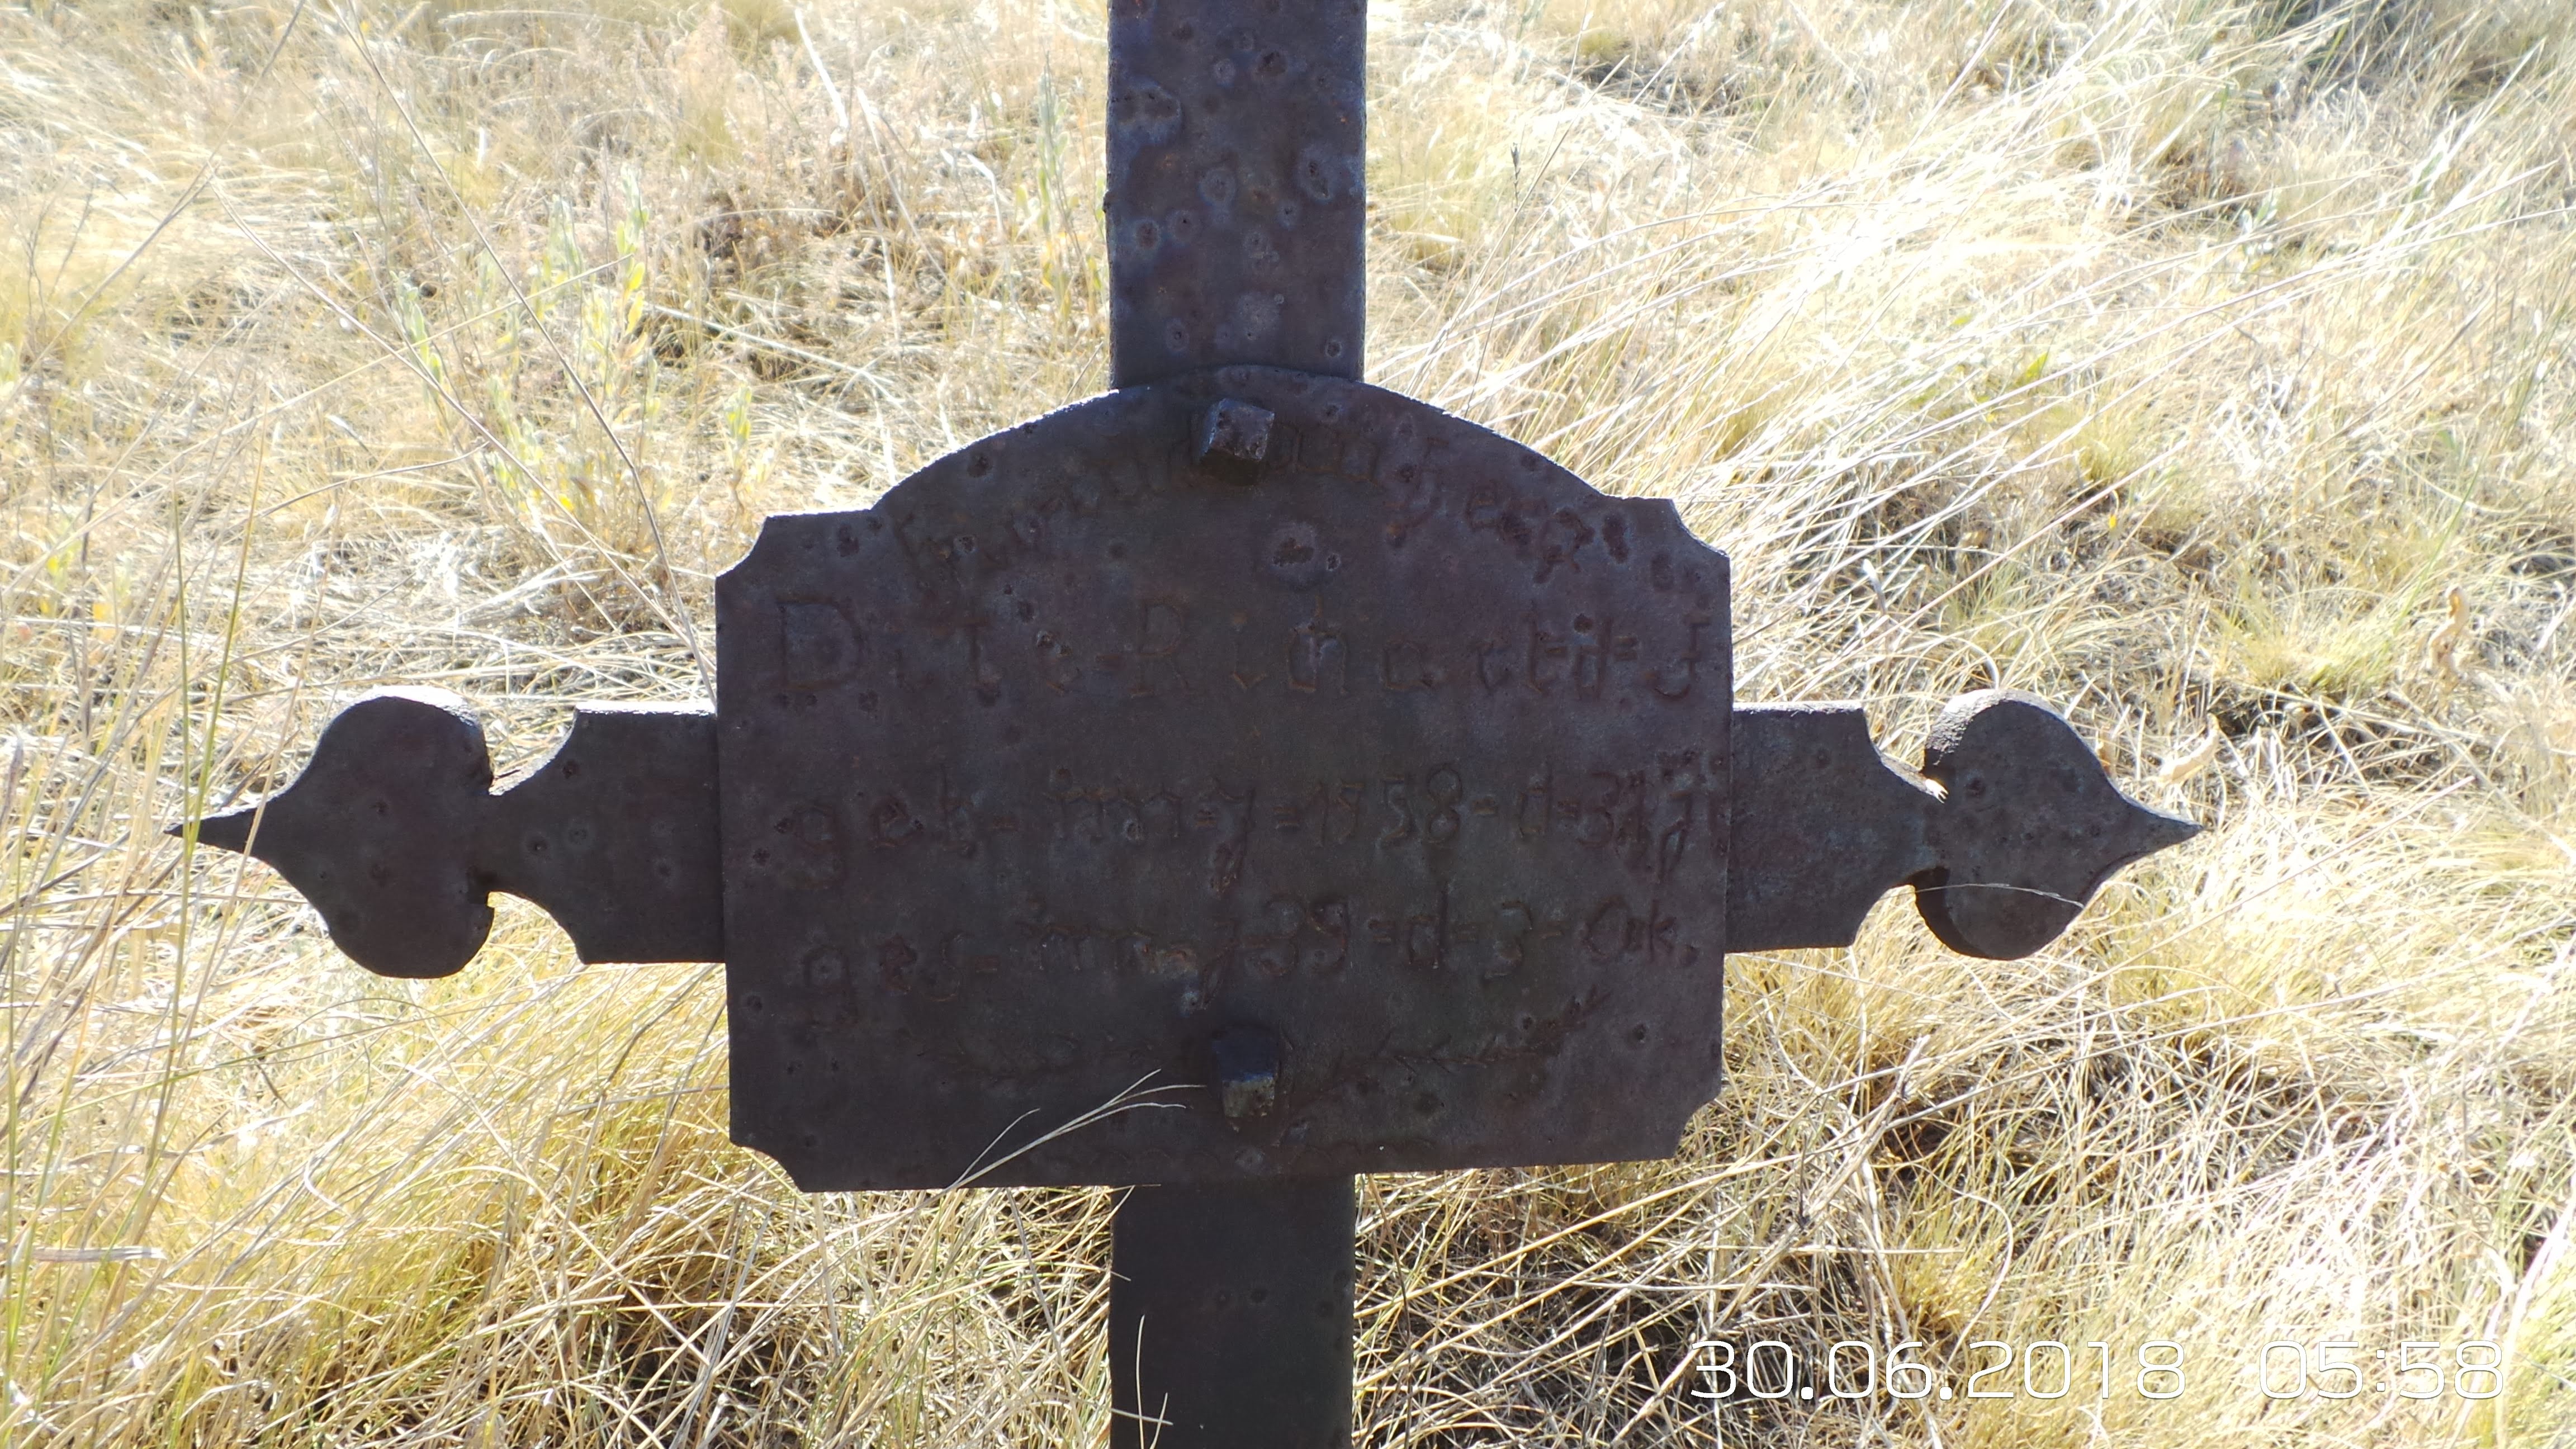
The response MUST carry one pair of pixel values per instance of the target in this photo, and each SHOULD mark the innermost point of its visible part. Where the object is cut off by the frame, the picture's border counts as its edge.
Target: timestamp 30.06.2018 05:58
(1772, 1369)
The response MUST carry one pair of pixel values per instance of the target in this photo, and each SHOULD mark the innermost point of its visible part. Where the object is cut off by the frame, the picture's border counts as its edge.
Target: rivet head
(1247, 1072)
(1233, 428)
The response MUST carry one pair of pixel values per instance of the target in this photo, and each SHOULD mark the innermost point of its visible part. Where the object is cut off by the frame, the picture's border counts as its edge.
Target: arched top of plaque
(1250, 774)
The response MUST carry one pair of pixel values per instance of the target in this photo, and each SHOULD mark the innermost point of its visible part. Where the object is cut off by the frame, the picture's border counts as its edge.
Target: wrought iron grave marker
(1359, 784)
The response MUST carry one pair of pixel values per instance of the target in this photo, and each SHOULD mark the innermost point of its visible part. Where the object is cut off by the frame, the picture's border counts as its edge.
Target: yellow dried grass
(2177, 359)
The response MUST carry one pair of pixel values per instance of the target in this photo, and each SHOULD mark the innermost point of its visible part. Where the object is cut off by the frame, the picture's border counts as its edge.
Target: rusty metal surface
(1235, 210)
(2030, 828)
(1074, 756)
(2020, 828)
(1822, 826)
(1241, 780)
(1230, 1316)
(1250, 775)
(393, 834)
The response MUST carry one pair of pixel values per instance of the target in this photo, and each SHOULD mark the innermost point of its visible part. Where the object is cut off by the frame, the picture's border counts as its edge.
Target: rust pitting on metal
(2029, 828)
(393, 834)
(1391, 754)
(1421, 752)
(2018, 829)
(1088, 817)
(1235, 206)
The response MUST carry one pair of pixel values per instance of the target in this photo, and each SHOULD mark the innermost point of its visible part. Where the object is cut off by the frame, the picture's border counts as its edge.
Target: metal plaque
(1251, 774)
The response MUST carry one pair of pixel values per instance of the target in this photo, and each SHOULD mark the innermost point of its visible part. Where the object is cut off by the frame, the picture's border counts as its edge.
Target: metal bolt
(1247, 1071)
(1234, 428)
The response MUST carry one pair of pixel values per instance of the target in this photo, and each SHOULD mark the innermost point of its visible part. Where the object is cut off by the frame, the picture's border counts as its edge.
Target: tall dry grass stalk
(2177, 359)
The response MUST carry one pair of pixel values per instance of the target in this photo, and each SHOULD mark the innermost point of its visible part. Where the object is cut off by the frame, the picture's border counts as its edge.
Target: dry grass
(2174, 358)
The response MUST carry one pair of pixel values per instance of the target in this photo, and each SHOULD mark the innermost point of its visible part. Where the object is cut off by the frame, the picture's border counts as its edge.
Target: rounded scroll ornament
(2028, 828)
(2008, 830)
(394, 835)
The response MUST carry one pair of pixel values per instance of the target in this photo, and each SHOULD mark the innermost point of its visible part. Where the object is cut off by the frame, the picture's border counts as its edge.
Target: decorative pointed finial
(2018, 830)
(2029, 829)
(393, 834)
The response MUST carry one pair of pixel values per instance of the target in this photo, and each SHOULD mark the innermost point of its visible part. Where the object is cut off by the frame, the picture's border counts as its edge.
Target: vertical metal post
(1237, 229)
(1230, 1317)
(1235, 208)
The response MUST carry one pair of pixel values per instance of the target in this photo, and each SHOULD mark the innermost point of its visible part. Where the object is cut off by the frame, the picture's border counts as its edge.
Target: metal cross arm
(1415, 866)
(392, 832)
(1350, 784)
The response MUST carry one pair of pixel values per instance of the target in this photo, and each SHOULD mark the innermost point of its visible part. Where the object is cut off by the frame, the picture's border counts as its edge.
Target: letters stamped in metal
(1252, 774)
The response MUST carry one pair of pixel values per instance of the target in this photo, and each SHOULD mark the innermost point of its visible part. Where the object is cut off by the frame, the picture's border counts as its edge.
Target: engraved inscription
(1157, 647)
(1403, 745)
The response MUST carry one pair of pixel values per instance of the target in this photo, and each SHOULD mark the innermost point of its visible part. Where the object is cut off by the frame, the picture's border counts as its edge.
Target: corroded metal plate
(1235, 203)
(1356, 796)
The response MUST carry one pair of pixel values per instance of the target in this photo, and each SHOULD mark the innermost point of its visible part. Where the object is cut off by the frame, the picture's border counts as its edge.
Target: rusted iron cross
(1231, 783)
